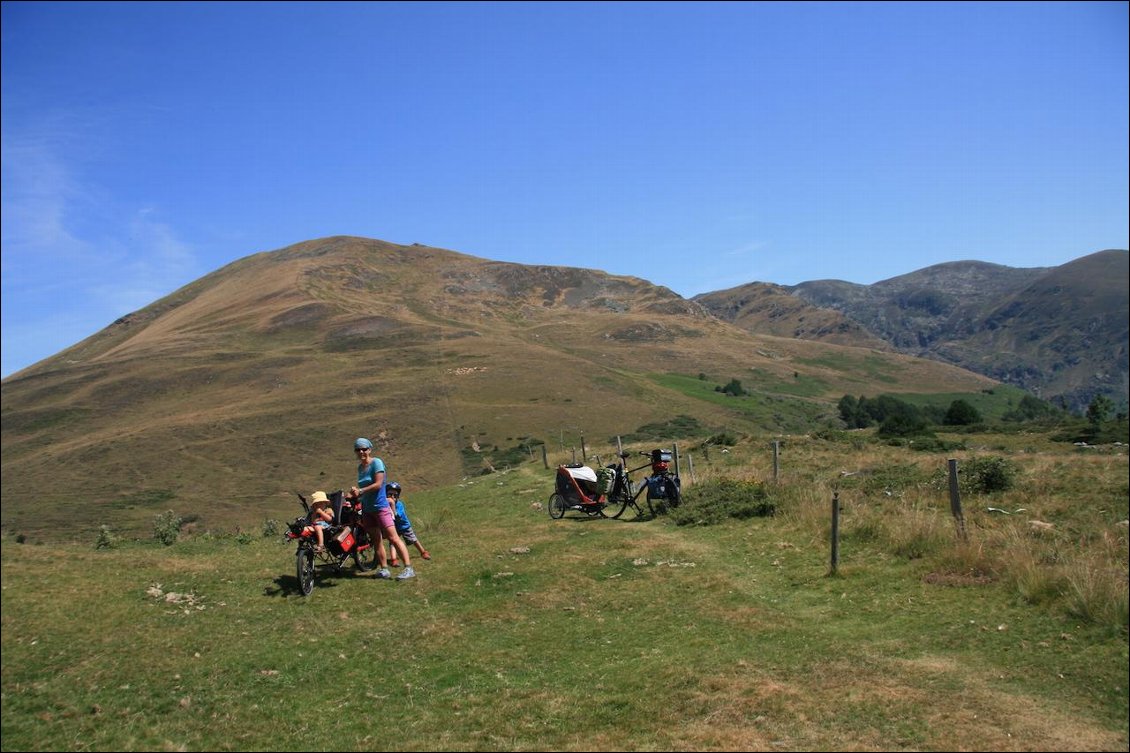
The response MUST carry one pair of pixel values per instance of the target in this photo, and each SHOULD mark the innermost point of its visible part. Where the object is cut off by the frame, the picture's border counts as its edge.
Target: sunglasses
(361, 449)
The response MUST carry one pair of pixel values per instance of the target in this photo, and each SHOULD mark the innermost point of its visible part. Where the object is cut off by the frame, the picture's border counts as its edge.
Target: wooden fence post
(955, 501)
(835, 531)
(545, 457)
(776, 460)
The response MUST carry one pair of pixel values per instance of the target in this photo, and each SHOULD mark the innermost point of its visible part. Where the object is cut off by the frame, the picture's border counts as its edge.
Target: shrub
(166, 527)
(714, 501)
(986, 475)
(106, 539)
(271, 528)
(733, 388)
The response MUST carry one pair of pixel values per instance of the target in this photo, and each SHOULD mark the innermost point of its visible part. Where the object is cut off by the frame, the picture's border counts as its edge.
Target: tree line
(898, 418)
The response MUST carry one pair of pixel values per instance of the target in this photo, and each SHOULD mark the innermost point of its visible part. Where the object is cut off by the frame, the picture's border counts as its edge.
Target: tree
(1030, 409)
(1099, 409)
(734, 388)
(904, 424)
(852, 413)
(962, 413)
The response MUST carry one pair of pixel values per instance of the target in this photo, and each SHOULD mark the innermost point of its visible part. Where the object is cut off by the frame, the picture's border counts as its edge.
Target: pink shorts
(381, 519)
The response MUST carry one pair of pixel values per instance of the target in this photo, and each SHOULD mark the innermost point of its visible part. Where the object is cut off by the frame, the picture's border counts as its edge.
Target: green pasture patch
(764, 407)
(992, 403)
(871, 367)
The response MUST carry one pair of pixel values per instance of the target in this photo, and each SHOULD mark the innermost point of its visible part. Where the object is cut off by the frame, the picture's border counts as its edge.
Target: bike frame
(363, 550)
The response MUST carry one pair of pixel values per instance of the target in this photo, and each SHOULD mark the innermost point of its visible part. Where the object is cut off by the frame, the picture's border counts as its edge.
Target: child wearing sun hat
(321, 517)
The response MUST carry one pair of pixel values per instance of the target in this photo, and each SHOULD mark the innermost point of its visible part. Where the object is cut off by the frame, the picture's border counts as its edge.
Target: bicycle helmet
(362, 444)
(391, 487)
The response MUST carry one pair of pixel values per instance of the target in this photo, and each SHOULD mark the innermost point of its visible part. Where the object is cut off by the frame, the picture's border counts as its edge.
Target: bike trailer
(578, 484)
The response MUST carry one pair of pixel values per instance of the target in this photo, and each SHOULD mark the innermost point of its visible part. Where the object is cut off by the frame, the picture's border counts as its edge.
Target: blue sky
(699, 146)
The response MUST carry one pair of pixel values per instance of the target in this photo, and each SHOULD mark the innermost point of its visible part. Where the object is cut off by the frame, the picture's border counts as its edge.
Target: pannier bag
(657, 486)
(604, 479)
(345, 539)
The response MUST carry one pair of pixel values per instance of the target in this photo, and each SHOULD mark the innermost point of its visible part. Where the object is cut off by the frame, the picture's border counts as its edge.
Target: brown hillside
(251, 382)
(769, 309)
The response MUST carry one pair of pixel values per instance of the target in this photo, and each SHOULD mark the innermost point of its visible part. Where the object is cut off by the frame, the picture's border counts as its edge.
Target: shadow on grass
(326, 577)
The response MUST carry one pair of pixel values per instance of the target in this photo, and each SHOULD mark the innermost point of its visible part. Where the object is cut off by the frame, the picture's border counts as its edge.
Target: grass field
(526, 633)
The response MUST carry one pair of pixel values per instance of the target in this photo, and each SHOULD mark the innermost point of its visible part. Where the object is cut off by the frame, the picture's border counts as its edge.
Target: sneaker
(384, 573)
(394, 563)
(408, 573)
(426, 556)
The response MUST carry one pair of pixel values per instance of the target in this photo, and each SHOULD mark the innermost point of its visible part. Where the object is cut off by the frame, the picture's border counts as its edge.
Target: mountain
(1058, 332)
(251, 382)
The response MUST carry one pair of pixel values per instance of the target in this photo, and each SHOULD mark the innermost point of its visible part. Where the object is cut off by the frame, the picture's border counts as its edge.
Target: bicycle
(344, 540)
(662, 486)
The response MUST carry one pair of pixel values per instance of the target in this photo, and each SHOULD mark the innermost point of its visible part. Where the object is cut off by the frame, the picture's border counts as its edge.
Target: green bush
(723, 439)
(986, 475)
(271, 528)
(106, 538)
(961, 413)
(166, 527)
(714, 501)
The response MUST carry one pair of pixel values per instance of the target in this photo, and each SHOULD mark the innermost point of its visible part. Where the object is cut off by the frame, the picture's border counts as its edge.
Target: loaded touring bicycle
(610, 491)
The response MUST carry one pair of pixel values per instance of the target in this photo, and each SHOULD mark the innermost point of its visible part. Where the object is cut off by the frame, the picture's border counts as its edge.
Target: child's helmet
(392, 486)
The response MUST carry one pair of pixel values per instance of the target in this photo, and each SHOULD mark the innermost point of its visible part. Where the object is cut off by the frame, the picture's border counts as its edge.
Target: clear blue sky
(699, 146)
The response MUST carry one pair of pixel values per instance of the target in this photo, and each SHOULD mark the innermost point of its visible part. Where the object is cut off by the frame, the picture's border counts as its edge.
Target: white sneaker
(409, 572)
(384, 573)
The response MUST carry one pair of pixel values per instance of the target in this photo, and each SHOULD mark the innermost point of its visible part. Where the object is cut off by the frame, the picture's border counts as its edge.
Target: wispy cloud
(105, 259)
(152, 263)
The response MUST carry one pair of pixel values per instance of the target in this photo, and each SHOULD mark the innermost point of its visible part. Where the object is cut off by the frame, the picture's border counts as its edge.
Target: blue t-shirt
(401, 517)
(374, 499)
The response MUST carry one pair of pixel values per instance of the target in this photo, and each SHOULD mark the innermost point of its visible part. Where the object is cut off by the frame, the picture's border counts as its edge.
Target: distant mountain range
(1061, 333)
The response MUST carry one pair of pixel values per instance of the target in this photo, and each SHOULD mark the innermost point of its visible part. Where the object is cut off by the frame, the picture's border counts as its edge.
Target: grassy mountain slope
(1066, 334)
(251, 382)
(772, 310)
(1058, 332)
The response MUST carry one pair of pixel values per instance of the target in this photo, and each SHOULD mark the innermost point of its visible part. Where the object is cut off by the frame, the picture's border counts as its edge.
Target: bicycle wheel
(647, 500)
(364, 553)
(674, 494)
(556, 506)
(305, 566)
(618, 501)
